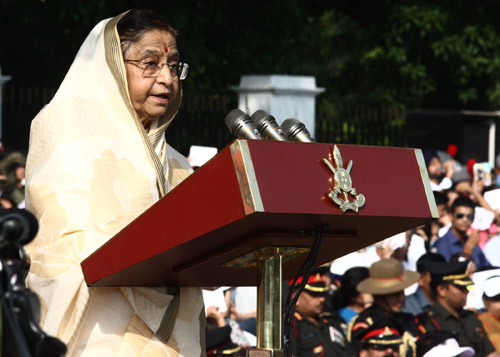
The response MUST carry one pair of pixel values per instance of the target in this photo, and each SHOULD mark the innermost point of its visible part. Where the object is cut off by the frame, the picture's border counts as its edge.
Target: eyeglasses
(470, 217)
(153, 68)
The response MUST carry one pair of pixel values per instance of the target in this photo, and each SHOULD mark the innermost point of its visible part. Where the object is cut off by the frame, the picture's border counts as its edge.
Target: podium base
(259, 352)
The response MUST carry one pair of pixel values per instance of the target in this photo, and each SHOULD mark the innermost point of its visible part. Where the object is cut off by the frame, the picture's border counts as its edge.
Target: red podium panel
(256, 194)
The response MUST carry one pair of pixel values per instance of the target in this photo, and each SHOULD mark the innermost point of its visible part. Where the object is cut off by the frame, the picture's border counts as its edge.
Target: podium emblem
(343, 190)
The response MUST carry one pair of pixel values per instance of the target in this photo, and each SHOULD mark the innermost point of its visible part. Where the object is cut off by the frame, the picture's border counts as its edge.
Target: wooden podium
(248, 213)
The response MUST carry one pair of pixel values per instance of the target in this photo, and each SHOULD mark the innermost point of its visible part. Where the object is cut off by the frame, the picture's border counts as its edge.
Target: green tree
(434, 54)
(430, 54)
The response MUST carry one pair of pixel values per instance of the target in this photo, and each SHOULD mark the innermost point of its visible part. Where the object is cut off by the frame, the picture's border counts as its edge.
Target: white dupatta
(91, 170)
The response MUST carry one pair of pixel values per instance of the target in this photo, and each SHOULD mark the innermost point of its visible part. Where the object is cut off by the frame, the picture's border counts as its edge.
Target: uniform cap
(382, 334)
(316, 282)
(455, 273)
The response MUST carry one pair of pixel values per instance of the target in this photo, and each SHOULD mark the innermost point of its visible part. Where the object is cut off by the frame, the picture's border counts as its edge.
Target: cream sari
(91, 170)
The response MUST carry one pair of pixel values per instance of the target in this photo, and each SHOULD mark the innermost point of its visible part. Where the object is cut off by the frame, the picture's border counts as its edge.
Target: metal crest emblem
(343, 189)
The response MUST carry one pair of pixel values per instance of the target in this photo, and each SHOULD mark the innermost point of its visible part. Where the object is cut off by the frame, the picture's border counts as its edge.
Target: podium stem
(269, 299)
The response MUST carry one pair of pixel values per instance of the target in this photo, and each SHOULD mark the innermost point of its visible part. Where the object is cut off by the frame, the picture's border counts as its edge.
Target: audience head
(433, 164)
(381, 339)
(462, 211)
(386, 283)
(311, 301)
(348, 292)
(425, 275)
(491, 296)
(449, 284)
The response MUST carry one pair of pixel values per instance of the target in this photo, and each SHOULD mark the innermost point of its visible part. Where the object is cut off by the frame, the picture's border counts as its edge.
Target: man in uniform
(386, 283)
(449, 282)
(382, 339)
(315, 332)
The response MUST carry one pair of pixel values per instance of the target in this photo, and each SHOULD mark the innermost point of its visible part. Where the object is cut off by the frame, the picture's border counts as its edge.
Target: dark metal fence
(201, 122)
(362, 125)
(21, 102)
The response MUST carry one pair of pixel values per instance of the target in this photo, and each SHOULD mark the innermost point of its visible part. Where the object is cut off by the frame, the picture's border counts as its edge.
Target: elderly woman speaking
(97, 159)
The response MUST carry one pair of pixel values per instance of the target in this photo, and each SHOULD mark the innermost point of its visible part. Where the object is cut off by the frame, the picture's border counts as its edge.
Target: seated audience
(449, 282)
(348, 300)
(444, 219)
(458, 240)
(243, 307)
(439, 174)
(491, 318)
(314, 332)
(381, 340)
(386, 283)
(421, 300)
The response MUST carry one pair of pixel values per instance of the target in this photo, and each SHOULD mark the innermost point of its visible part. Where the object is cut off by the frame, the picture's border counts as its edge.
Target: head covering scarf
(91, 170)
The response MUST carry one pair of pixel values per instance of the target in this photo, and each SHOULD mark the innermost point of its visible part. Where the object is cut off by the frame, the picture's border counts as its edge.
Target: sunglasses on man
(470, 217)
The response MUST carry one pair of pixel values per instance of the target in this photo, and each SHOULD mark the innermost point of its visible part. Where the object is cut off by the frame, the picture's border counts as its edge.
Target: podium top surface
(257, 194)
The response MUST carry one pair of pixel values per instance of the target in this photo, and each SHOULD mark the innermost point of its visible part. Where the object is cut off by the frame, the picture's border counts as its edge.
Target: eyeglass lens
(470, 217)
(179, 70)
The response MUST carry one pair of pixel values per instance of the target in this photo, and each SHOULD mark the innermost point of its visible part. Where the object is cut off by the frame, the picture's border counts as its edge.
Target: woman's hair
(350, 280)
(135, 23)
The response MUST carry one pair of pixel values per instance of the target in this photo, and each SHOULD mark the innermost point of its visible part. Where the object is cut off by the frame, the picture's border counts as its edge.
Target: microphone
(17, 226)
(295, 130)
(241, 125)
(267, 126)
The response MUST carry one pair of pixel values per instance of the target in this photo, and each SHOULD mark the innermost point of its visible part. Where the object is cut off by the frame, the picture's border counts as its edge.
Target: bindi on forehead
(165, 49)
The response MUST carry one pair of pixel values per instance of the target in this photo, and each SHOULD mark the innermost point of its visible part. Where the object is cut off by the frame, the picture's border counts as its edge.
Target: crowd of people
(12, 168)
(430, 291)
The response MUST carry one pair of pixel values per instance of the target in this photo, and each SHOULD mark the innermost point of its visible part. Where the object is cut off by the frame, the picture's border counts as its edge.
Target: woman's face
(493, 306)
(151, 96)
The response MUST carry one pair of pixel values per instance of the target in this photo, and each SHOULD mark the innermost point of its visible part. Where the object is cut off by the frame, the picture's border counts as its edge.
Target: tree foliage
(434, 54)
(425, 54)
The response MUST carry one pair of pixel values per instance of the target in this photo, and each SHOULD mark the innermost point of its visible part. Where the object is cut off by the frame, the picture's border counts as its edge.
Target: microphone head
(233, 117)
(288, 124)
(295, 130)
(267, 126)
(241, 125)
(260, 116)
